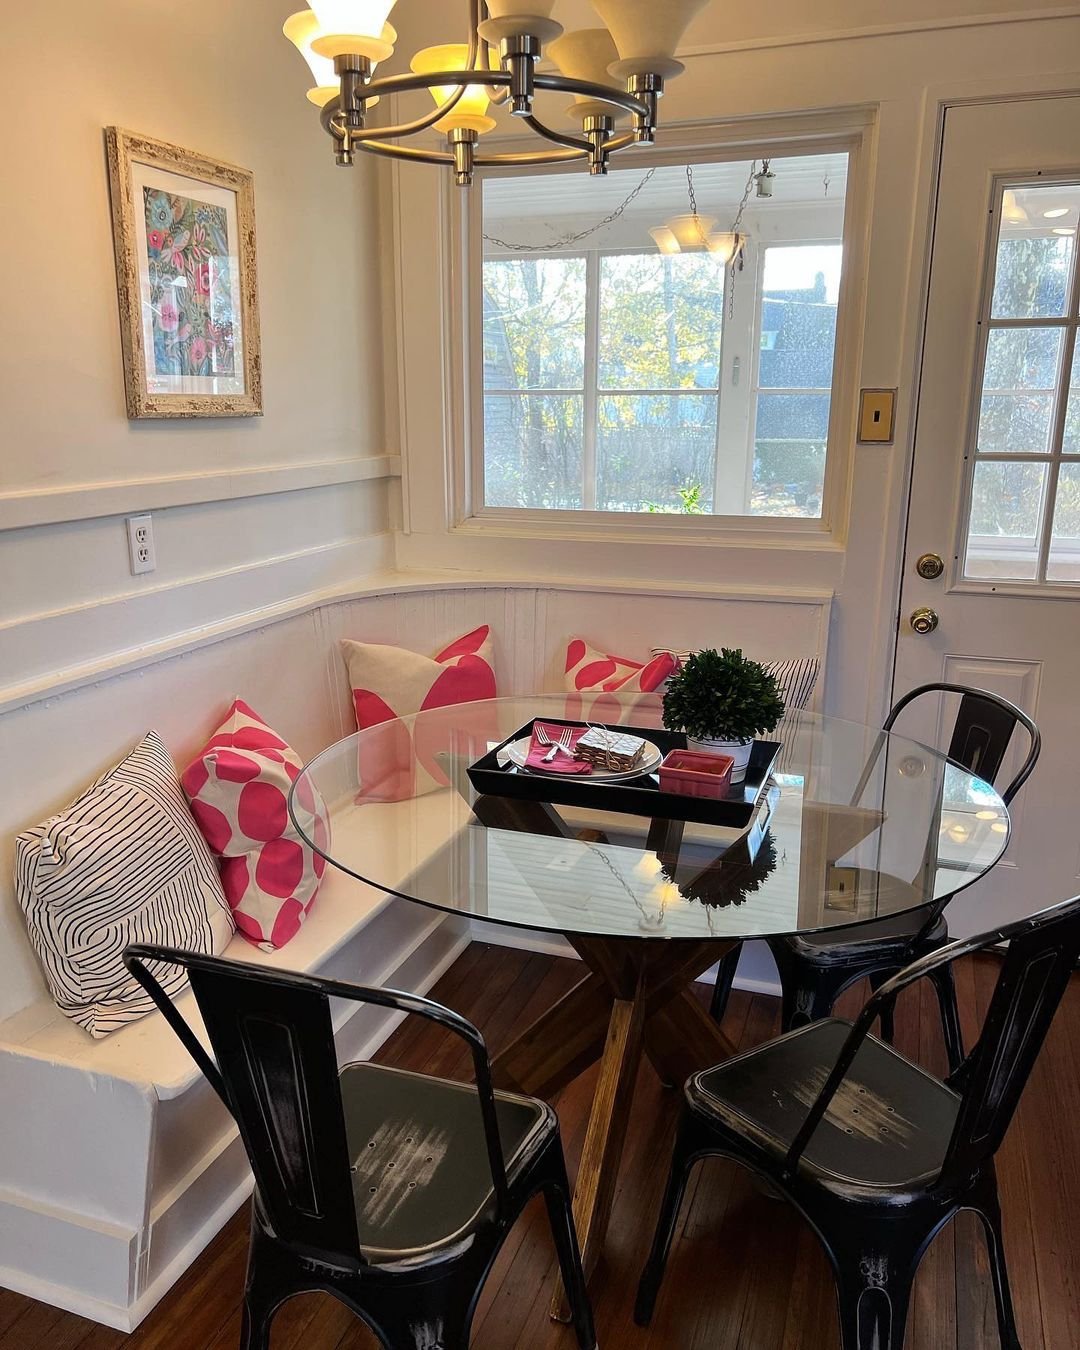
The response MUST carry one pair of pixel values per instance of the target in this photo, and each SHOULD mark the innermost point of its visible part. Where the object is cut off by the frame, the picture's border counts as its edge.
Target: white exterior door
(996, 482)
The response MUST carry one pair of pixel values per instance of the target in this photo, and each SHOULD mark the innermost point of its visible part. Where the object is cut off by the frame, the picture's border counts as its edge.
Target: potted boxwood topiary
(722, 700)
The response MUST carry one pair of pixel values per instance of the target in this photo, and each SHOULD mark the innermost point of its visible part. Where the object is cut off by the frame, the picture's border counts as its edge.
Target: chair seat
(888, 1125)
(420, 1170)
(895, 932)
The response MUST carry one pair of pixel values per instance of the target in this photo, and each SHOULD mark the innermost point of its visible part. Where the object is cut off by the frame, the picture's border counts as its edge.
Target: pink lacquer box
(696, 773)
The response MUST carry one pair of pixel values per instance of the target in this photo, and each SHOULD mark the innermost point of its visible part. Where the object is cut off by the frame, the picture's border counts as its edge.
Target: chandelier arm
(475, 9)
(523, 158)
(574, 142)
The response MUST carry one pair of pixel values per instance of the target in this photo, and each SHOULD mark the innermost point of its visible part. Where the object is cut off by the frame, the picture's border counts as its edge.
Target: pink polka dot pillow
(238, 788)
(389, 683)
(592, 672)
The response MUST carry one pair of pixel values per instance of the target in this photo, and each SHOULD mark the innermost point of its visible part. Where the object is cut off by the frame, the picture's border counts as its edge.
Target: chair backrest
(1041, 957)
(277, 1072)
(981, 733)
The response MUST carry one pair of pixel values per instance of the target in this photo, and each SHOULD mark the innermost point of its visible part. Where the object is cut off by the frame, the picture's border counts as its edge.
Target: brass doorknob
(924, 620)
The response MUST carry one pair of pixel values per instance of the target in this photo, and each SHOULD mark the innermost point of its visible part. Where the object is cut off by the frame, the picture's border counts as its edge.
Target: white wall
(248, 511)
(758, 69)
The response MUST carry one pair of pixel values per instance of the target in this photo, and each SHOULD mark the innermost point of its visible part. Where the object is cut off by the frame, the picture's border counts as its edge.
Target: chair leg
(725, 975)
(809, 993)
(874, 1293)
(263, 1293)
(950, 1016)
(433, 1316)
(990, 1214)
(887, 1025)
(682, 1160)
(557, 1197)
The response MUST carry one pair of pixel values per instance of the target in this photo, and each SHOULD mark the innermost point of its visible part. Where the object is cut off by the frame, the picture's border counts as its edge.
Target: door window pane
(1017, 410)
(1071, 444)
(1035, 251)
(632, 475)
(789, 454)
(1064, 562)
(534, 323)
(1003, 530)
(800, 288)
(660, 321)
(533, 450)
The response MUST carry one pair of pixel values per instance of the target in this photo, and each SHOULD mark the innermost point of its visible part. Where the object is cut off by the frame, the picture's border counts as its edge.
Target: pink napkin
(562, 763)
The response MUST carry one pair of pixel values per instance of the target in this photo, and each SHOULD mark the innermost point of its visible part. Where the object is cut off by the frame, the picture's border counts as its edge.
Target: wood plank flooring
(745, 1272)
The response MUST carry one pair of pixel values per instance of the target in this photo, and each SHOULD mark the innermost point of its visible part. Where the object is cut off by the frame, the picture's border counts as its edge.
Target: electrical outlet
(141, 544)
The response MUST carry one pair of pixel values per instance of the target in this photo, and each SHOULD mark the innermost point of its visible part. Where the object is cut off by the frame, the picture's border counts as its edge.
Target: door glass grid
(1024, 505)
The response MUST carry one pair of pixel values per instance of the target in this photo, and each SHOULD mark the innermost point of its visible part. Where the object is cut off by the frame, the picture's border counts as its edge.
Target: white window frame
(833, 133)
(1054, 458)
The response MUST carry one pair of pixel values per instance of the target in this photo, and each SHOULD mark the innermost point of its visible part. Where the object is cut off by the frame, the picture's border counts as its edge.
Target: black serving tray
(639, 796)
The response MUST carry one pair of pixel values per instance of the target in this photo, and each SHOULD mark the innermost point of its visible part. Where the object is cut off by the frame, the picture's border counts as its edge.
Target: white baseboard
(756, 974)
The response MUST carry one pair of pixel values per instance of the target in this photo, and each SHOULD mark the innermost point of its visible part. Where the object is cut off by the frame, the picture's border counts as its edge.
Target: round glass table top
(845, 824)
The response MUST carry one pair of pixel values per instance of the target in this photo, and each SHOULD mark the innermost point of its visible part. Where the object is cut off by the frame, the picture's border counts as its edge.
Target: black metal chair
(815, 969)
(391, 1190)
(876, 1153)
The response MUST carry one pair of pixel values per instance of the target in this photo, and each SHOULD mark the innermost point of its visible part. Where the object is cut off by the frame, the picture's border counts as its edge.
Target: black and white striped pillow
(123, 863)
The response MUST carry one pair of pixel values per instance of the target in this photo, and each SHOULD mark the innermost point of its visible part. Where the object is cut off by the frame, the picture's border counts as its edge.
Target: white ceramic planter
(738, 750)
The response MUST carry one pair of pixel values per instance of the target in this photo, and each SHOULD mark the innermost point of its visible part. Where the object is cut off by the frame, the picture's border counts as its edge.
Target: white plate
(517, 752)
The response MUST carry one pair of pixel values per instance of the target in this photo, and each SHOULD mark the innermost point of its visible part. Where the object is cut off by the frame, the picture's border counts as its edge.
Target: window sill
(710, 532)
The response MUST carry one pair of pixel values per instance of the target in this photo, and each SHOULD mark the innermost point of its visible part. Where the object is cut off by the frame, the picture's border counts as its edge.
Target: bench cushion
(123, 863)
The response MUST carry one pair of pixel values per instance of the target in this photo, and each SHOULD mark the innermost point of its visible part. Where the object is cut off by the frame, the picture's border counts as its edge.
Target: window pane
(1003, 532)
(534, 323)
(1072, 412)
(789, 454)
(532, 450)
(1017, 409)
(660, 320)
(1064, 562)
(798, 316)
(1031, 278)
(655, 452)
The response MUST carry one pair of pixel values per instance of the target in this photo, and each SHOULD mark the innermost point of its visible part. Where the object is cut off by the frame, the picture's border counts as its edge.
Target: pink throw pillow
(238, 787)
(589, 671)
(389, 683)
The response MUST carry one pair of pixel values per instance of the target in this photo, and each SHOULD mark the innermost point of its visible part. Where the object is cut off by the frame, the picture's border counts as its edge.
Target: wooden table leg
(598, 1170)
(560, 1044)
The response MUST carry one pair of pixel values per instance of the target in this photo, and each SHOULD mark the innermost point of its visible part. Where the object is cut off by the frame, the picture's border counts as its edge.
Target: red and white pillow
(389, 683)
(238, 788)
(612, 678)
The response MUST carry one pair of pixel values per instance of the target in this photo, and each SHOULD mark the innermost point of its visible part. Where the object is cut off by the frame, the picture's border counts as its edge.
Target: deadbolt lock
(930, 566)
(923, 620)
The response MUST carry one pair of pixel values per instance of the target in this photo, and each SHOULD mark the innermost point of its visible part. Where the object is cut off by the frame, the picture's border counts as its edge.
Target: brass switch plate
(877, 416)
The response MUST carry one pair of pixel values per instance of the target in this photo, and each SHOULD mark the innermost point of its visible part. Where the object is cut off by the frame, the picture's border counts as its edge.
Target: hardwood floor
(745, 1273)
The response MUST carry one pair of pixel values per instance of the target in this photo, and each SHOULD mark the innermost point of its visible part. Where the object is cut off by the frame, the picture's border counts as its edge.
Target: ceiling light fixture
(1055, 213)
(1064, 231)
(617, 70)
(692, 232)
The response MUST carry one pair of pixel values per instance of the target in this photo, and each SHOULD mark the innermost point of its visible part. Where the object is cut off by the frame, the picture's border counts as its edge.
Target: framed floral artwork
(184, 235)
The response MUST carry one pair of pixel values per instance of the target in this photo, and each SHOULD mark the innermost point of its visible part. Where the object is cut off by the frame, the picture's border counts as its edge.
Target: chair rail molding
(21, 508)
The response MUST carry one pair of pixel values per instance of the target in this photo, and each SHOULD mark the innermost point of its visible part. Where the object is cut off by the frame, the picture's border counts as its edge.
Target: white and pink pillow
(390, 683)
(238, 788)
(613, 679)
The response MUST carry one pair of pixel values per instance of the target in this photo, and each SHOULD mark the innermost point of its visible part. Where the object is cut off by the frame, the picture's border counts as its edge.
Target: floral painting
(184, 238)
(187, 246)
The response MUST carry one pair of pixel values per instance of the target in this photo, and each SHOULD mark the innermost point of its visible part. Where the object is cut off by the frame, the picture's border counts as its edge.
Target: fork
(563, 743)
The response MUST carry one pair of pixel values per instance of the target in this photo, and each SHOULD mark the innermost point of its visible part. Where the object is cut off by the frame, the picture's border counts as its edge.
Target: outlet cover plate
(877, 416)
(141, 554)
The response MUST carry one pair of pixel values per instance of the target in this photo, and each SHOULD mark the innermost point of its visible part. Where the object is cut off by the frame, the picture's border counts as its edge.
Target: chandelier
(692, 232)
(612, 72)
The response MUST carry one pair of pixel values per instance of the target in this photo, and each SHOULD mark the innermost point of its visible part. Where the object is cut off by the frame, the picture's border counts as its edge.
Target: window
(1024, 509)
(620, 379)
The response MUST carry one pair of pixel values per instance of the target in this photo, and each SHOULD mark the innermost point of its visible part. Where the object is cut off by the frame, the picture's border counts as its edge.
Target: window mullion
(592, 366)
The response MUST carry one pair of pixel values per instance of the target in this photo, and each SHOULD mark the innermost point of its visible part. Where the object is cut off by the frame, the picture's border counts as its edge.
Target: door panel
(992, 450)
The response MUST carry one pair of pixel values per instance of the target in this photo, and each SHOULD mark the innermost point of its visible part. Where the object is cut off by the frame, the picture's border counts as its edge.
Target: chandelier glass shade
(611, 72)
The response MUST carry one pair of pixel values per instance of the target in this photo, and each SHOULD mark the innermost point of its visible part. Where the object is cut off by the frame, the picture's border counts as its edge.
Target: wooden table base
(636, 1000)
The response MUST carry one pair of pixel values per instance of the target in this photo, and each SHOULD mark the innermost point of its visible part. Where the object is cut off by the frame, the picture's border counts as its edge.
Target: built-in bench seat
(117, 1163)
